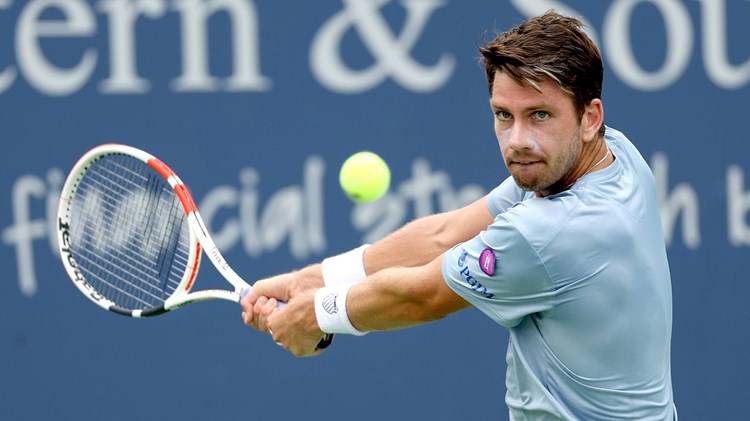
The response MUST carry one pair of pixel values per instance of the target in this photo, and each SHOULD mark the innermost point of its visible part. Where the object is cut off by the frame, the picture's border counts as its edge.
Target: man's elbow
(434, 302)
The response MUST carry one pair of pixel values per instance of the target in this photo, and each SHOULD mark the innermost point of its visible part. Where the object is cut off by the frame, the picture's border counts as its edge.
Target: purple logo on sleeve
(487, 261)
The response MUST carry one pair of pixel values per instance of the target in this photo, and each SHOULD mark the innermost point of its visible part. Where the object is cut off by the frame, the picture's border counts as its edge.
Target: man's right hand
(279, 288)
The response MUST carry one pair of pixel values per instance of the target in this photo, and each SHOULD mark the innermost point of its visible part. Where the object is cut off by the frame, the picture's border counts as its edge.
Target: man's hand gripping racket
(130, 235)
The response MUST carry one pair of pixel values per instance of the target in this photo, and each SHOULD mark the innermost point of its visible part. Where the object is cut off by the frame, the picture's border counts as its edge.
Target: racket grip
(327, 339)
(244, 291)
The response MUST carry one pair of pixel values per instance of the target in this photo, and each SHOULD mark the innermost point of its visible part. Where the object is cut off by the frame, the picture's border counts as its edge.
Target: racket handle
(243, 293)
(327, 339)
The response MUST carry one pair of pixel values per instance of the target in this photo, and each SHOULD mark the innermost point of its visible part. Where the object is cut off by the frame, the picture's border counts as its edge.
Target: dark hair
(550, 46)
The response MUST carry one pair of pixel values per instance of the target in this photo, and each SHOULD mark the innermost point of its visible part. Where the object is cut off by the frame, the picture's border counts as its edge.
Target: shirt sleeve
(504, 196)
(500, 273)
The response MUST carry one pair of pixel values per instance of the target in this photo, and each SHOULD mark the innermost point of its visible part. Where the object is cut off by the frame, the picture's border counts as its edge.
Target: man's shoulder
(541, 219)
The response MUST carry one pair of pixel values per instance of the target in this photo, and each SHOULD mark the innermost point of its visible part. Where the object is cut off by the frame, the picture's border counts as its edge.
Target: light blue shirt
(581, 280)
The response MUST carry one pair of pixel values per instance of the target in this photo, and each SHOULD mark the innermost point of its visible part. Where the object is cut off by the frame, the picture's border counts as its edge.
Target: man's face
(539, 133)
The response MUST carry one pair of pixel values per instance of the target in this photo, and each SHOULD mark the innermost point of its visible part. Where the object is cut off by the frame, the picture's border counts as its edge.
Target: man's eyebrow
(533, 107)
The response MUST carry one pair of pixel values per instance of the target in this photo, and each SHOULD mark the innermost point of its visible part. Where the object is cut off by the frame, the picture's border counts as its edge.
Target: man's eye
(541, 115)
(503, 115)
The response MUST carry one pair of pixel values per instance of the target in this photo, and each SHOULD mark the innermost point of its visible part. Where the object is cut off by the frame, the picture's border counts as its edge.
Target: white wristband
(345, 268)
(330, 310)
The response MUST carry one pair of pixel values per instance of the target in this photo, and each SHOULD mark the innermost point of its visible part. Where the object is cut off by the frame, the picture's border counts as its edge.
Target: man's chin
(526, 184)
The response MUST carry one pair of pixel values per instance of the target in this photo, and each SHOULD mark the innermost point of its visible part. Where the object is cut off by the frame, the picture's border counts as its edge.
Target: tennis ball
(365, 177)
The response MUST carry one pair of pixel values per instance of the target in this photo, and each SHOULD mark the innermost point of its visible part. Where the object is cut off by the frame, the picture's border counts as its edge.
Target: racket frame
(199, 239)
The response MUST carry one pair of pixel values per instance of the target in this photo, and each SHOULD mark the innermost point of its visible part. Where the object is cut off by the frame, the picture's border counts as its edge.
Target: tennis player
(567, 253)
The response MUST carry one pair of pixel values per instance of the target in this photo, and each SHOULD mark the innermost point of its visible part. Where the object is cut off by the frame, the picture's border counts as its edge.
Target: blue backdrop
(256, 104)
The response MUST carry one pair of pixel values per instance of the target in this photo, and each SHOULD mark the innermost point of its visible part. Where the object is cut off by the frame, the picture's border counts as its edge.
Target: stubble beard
(553, 173)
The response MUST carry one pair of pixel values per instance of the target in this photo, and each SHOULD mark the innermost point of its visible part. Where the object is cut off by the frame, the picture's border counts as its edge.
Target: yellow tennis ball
(365, 177)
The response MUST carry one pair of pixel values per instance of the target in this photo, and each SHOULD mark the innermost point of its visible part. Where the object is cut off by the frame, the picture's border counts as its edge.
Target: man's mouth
(525, 162)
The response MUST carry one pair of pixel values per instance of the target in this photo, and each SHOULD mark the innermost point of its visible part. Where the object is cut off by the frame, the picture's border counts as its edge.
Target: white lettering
(623, 60)
(246, 50)
(123, 15)
(297, 212)
(716, 50)
(391, 53)
(683, 199)
(7, 75)
(738, 204)
(92, 204)
(294, 213)
(249, 205)
(24, 231)
(78, 21)
(43, 75)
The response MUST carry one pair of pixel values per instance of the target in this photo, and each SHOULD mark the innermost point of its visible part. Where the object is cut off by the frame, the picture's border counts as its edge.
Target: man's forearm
(421, 241)
(400, 297)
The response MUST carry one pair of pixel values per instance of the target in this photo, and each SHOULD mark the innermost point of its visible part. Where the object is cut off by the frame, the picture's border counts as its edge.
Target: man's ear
(592, 119)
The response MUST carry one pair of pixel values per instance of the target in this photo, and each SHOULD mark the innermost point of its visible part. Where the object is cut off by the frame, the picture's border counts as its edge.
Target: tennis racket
(131, 238)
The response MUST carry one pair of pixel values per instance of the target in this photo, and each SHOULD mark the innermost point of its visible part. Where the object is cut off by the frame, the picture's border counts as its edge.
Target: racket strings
(131, 280)
(129, 233)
